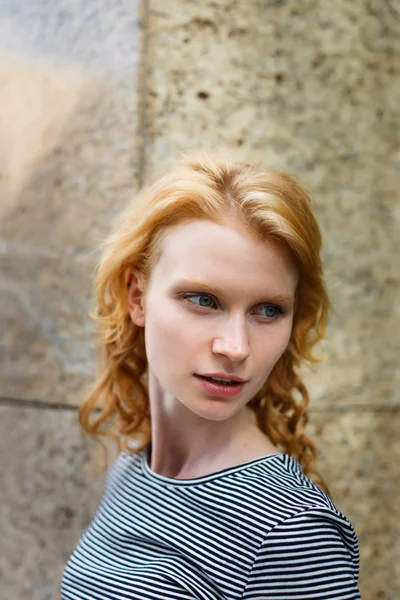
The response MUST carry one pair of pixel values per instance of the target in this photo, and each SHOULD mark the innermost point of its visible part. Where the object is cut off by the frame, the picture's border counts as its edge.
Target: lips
(228, 388)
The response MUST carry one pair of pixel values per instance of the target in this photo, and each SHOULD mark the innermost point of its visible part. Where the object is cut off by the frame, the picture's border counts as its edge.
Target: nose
(232, 339)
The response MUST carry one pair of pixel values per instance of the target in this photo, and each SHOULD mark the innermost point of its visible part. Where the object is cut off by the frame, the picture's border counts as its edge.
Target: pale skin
(218, 301)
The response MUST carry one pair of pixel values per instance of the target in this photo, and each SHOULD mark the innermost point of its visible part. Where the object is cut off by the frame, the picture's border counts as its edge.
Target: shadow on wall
(36, 103)
(67, 154)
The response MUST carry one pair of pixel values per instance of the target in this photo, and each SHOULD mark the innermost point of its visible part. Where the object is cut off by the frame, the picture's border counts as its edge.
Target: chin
(220, 409)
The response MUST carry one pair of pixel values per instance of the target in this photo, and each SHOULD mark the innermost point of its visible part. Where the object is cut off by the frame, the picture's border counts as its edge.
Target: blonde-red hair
(269, 204)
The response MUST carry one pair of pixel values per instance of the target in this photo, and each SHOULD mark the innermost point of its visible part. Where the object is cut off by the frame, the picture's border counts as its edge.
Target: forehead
(225, 255)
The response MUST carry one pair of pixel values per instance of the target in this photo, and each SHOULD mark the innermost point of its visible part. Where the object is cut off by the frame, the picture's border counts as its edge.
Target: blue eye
(271, 311)
(202, 300)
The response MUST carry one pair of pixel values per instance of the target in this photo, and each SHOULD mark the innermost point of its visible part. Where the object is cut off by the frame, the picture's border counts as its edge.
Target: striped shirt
(260, 530)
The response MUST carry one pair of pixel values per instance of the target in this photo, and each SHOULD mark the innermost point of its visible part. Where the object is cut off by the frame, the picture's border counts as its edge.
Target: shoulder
(312, 554)
(278, 494)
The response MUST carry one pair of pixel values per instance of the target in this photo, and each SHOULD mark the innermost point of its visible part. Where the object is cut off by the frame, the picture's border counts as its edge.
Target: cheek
(275, 344)
(171, 337)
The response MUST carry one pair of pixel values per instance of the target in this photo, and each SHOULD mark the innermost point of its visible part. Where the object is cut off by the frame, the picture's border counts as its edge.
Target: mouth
(220, 380)
(218, 386)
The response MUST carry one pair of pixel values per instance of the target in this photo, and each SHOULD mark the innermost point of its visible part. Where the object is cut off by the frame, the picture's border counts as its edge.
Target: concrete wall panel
(47, 499)
(68, 76)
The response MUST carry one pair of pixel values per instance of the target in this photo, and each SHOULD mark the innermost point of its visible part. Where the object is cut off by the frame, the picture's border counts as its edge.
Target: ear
(136, 298)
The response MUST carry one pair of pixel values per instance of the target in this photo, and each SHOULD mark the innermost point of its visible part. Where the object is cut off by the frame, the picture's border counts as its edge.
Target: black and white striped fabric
(260, 530)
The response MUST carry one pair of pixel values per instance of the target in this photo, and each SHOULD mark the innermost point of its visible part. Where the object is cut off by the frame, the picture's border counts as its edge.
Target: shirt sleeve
(313, 554)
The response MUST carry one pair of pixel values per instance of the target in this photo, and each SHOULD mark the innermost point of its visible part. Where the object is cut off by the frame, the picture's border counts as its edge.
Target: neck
(185, 445)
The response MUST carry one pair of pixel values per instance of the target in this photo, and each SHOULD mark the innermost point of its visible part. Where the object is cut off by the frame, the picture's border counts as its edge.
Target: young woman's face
(219, 304)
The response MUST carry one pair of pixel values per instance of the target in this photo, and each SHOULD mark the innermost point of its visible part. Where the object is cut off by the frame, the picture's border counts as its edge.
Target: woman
(209, 296)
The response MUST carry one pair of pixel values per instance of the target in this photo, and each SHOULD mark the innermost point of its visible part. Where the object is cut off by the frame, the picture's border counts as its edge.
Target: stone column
(312, 87)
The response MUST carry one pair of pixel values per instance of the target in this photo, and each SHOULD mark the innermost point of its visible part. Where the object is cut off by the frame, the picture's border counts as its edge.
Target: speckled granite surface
(359, 457)
(47, 499)
(68, 75)
(313, 87)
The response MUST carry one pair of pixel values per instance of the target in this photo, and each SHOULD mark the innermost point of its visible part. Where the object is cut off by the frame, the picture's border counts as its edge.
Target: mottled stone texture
(47, 498)
(312, 87)
(68, 160)
(359, 457)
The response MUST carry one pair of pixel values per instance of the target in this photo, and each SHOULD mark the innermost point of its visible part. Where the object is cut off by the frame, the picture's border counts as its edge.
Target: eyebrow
(210, 289)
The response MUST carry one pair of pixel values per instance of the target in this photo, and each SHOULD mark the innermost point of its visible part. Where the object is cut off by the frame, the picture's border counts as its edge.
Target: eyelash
(280, 309)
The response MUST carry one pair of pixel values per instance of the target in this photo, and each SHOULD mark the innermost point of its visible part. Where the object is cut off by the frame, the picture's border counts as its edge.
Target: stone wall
(68, 156)
(309, 86)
